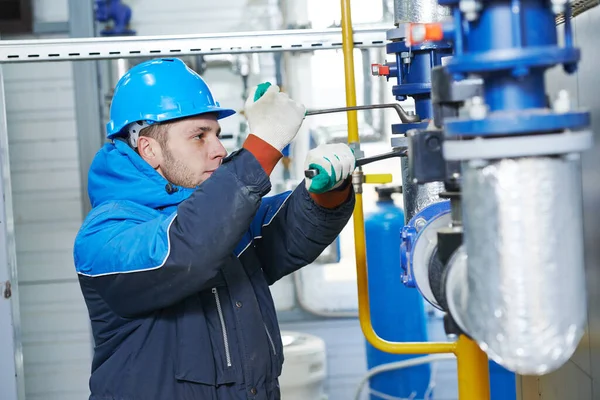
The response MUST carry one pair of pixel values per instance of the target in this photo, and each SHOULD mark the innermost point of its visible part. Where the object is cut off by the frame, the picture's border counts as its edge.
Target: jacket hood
(119, 173)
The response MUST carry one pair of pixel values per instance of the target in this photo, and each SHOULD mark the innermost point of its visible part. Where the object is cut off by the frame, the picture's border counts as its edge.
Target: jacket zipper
(225, 338)
(270, 340)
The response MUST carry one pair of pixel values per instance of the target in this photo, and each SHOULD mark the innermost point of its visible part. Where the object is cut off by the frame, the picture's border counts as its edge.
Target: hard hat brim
(114, 131)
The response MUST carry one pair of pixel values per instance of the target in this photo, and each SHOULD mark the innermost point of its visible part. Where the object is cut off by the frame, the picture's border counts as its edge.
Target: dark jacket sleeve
(294, 230)
(139, 265)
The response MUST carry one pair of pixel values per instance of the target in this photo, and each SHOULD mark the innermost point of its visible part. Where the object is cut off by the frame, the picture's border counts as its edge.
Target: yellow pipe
(348, 51)
(473, 371)
(472, 367)
(378, 178)
(364, 311)
(359, 227)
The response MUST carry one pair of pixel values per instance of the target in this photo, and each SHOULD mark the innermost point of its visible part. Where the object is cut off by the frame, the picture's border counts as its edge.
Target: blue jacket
(176, 280)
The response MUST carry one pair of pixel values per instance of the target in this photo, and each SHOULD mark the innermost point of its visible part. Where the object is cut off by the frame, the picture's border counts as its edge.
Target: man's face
(192, 152)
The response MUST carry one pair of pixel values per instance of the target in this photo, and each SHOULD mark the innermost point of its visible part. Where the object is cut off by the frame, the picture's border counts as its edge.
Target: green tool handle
(261, 89)
(312, 172)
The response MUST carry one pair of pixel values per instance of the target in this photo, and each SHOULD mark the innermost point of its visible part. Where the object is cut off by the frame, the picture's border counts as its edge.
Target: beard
(178, 173)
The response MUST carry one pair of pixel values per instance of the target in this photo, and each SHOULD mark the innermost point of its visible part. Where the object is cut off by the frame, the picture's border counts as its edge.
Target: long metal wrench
(403, 115)
(312, 172)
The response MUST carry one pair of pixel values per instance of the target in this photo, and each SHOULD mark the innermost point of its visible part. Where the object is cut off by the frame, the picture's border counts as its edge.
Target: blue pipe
(505, 92)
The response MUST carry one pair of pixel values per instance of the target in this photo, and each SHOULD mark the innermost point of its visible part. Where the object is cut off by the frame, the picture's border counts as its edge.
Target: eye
(200, 136)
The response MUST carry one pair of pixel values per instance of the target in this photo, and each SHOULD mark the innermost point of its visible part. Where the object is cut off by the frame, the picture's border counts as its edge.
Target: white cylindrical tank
(304, 368)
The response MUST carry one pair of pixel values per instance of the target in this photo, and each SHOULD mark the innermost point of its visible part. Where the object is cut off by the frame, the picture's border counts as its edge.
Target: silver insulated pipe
(416, 197)
(418, 11)
(520, 293)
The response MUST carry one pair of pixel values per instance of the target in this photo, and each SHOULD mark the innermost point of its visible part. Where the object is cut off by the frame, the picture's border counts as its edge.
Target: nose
(217, 150)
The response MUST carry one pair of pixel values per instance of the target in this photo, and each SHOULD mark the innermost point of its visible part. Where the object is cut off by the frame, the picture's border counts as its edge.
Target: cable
(431, 386)
(413, 395)
(388, 397)
(412, 362)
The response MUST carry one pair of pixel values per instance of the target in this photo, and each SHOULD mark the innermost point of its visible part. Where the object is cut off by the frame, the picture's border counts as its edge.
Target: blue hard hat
(160, 90)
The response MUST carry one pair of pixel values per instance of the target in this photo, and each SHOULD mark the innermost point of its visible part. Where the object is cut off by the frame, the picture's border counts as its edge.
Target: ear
(149, 149)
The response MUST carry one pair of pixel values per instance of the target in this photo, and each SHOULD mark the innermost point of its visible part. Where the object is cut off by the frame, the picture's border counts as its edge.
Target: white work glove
(273, 116)
(333, 162)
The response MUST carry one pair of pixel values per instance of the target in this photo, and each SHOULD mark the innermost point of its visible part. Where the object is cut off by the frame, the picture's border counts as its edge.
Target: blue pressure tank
(397, 312)
(503, 383)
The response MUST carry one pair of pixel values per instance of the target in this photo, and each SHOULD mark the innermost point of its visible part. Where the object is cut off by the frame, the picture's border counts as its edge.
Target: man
(177, 255)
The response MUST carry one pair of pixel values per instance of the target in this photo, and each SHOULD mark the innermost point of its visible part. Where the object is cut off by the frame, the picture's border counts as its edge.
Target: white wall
(50, 11)
(47, 212)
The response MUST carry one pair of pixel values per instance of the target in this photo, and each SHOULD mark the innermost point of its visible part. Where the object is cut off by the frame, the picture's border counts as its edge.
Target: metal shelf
(15, 51)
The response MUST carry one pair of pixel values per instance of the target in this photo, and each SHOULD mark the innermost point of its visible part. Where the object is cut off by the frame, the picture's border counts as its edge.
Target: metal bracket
(358, 153)
(7, 292)
(99, 48)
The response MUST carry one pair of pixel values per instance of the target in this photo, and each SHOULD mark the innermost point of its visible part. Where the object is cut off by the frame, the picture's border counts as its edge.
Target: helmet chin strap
(134, 132)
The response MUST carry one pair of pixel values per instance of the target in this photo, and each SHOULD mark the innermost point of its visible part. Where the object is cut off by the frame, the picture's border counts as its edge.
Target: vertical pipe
(417, 197)
(359, 223)
(367, 85)
(418, 11)
(473, 371)
(88, 106)
(348, 51)
(353, 137)
(296, 72)
(507, 297)
(504, 93)
(517, 25)
(414, 73)
(458, 38)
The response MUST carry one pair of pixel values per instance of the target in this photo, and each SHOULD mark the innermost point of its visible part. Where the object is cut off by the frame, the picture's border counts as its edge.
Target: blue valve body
(412, 231)
(511, 44)
(414, 78)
